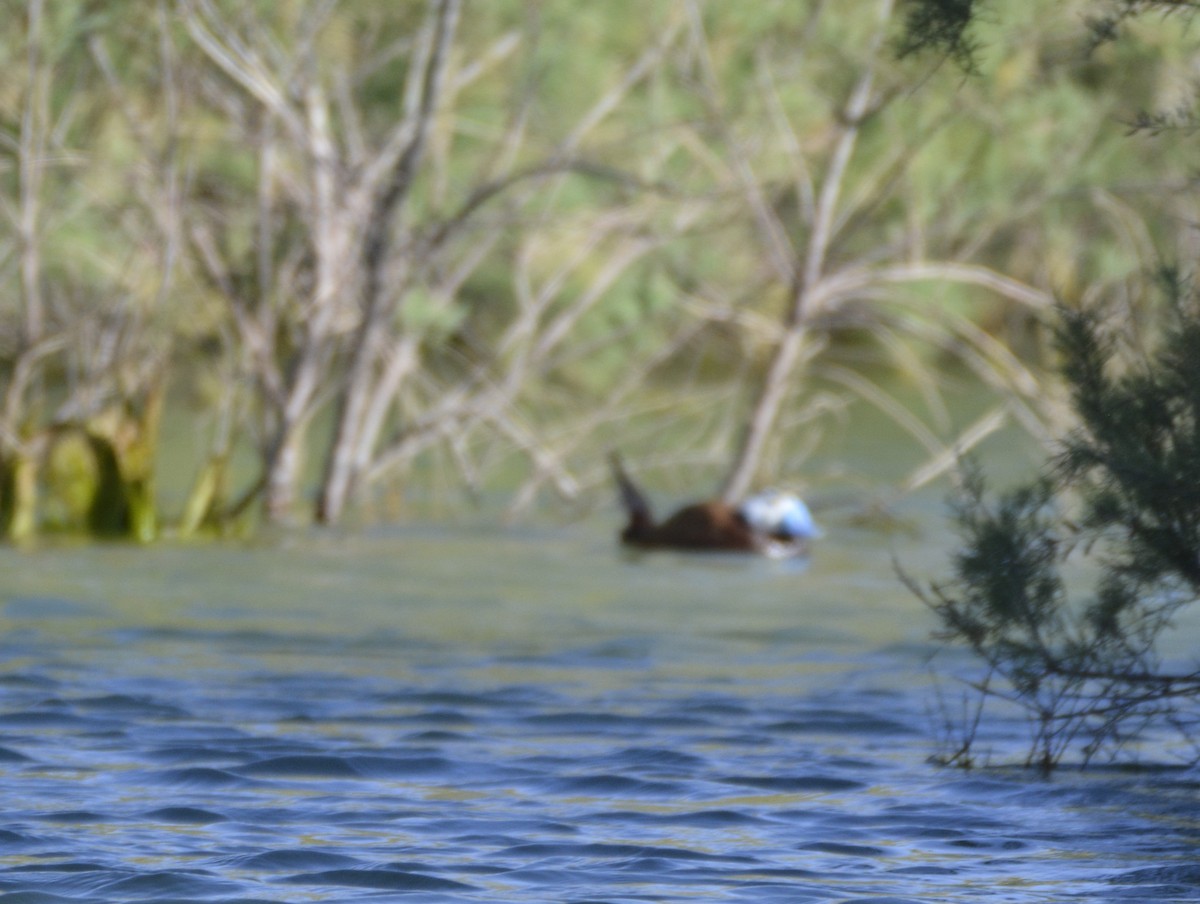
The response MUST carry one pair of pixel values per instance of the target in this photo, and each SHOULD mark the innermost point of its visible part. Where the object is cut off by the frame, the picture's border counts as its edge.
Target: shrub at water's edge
(1121, 494)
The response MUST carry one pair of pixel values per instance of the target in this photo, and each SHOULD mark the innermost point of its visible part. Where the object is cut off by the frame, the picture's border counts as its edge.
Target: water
(432, 714)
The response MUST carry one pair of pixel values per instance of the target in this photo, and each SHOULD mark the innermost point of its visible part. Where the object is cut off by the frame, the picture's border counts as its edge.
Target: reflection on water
(442, 715)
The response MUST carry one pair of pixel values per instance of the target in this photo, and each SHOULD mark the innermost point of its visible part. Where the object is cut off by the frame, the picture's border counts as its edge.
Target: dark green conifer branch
(942, 26)
(947, 26)
(1121, 492)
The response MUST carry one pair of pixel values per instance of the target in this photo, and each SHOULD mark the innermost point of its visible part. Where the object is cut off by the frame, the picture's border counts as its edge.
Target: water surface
(440, 714)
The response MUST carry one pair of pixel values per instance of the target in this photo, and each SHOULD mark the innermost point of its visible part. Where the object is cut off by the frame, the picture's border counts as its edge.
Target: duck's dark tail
(634, 502)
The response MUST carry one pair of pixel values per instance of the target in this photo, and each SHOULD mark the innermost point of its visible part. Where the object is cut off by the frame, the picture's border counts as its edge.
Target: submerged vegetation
(356, 239)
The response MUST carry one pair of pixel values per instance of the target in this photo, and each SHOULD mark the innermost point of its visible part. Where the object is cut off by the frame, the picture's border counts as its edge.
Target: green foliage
(99, 482)
(72, 478)
(1011, 585)
(1136, 455)
(952, 27)
(18, 498)
(177, 217)
(1123, 490)
(942, 26)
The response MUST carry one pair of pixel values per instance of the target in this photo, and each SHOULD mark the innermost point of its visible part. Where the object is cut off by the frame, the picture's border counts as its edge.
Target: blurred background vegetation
(314, 260)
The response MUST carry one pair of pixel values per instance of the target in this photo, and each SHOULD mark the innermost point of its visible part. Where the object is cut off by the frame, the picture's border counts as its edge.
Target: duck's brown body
(702, 526)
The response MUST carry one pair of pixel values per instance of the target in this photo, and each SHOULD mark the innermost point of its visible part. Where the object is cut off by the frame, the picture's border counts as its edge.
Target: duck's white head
(780, 514)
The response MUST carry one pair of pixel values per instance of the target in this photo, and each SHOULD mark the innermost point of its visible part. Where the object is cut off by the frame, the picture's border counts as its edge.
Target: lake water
(441, 714)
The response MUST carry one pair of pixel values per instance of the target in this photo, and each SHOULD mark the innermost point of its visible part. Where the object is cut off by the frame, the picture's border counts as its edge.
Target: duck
(774, 523)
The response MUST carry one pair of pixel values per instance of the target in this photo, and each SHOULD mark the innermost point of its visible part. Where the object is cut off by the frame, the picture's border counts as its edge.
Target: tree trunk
(771, 396)
(283, 476)
(806, 278)
(30, 161)
(380, 299)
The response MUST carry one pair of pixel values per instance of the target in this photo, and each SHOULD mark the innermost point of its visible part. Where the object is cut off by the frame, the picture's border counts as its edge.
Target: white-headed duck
(770, 523)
